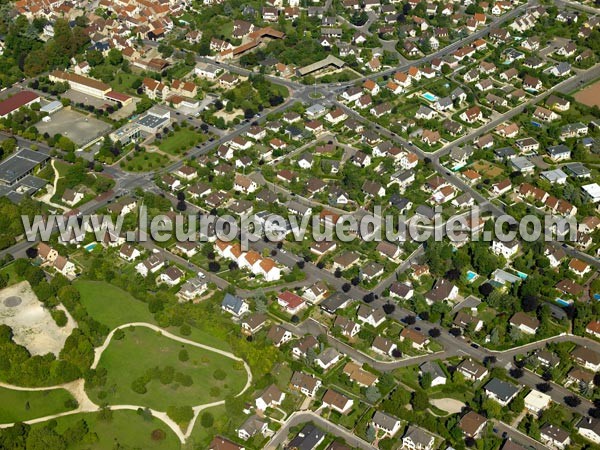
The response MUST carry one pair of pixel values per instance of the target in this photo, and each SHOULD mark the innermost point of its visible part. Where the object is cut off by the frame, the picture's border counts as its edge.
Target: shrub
(158, 435)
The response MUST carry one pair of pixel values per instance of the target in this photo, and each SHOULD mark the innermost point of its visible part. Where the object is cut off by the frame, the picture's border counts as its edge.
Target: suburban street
(126, 183)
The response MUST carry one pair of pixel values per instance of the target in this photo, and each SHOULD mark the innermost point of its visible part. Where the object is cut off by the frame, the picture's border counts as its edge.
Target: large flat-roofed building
(17, 101)
(20, 165)
(127, 133)
(81, 84)
(90, 86)
(51, 107)
(150, 123)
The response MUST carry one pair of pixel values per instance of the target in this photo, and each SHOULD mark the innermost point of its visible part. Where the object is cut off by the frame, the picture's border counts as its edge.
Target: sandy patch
(32, 324)
(449, 405)
(589, 96)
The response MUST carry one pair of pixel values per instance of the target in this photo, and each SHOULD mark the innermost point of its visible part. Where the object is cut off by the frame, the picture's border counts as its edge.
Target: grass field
(12, 276)
(142, 349)
(112, 306)
(144, 162)
(16, 406)
(181, 141)
(127, 429)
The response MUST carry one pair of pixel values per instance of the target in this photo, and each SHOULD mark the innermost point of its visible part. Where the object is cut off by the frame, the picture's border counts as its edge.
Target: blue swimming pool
(458, 166)
(597, 297)
(471, 275)
(429, 96)
(91, 246)
(521, 275)
(562, 302)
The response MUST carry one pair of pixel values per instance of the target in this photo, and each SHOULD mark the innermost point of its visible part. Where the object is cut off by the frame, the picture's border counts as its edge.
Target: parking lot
(74, 125)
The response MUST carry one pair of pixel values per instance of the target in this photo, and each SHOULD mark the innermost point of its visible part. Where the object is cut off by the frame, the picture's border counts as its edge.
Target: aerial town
(156, 115)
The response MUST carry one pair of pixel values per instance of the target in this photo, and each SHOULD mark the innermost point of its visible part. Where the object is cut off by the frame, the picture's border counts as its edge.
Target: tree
(180, 414)
(486, 289)
(517, 405)
(420, 400)
(470, 442)
(115, 57)
(426, 380)
(529, 303)
(371, 433)
(389, 308)
(410, 320)
(516, 372)
(435, 333)
(572, 400)
(207, 420)
(372, 394)
(183, 355)
(544, 387)
(454, 332)
(165, 50)
(220, 374)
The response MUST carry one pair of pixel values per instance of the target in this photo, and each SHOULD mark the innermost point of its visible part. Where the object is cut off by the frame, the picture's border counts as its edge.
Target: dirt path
(77, 387)
(46, 197)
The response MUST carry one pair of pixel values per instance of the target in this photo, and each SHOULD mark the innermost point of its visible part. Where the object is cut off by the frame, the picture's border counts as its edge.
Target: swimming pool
(91, 246)
(562, 302)
(429, 96)
(458, 166)
(521, 275)
(597, 297)
(471, 275)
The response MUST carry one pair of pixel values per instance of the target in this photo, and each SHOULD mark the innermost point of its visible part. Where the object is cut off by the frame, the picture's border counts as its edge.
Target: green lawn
(201, 437)
(16, 406)
(142, 349)
(180, 141)
(12, 276)
(123, 82)
(144, 162)
(127, 429)
(111, 305)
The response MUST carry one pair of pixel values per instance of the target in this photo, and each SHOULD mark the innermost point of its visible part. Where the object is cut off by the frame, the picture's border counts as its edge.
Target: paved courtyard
(74, 125)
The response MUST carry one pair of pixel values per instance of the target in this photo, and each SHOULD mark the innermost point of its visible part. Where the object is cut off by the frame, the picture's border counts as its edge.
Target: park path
(99, 350)
(46, 197)
(85, 405)
(76, 388)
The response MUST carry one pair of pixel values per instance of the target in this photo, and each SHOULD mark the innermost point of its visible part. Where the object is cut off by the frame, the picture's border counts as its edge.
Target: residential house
(472, 424)
(385, 423)
(525, 323)
(554, 436)
(418, 340)
(501, 391)
(438, 376)
(234, 305)
(306, 384)
(336, 401)
(472, 370)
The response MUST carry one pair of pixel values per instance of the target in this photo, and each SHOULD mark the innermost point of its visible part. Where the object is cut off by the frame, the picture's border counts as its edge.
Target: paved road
(303, 417)
(453, 178)
(516, 436)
